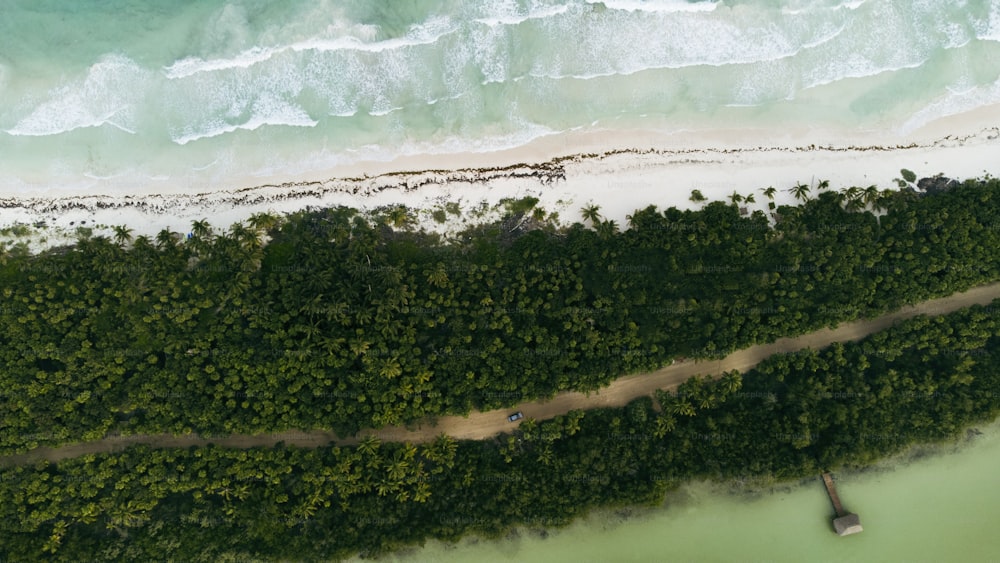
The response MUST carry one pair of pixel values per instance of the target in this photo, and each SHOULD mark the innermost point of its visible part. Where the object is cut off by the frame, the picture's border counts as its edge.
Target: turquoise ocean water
(195, 91)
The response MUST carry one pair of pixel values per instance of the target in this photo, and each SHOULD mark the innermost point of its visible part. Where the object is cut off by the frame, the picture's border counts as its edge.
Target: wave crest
(427, 33)
(265, 112)
(657, 5)
(107, 95)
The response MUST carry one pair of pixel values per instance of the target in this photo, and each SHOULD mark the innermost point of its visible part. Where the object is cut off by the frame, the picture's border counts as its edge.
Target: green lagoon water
(942, 506)
(192, 92)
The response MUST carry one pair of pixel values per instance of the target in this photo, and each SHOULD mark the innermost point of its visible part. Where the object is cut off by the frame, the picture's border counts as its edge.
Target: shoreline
(620, 171)
(793, 506)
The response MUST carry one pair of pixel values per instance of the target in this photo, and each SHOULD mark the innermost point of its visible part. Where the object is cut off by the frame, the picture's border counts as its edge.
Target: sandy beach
(620, 171)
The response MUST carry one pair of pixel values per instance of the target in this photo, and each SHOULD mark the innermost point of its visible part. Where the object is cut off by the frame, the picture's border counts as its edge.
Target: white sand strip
(617, 177)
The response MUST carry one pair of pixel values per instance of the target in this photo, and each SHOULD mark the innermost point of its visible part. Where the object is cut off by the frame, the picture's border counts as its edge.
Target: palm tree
(442, 451)
(422, 493)
(697, 196)
(870, 195)
(408, 451)
(769, 192)
(852, 192)
(306, 511)
(732, 381)
(681, 406)
(800, 191)
(749, 199)
(358, 346)
(369, 445)
(853, 197)
(838, 197)
(201, 236)
(437, 277)
(398, 466)
(735, 197)
(399, 216)
(591, 213)
(607, 229)
(664, 425)
(201, 229)
(383, 489)
(390, 369)
(143, 243)
(55, 539)
(707, 400)
(248, 238)
(885, 198)
(241, 492)
(309, 331)
(123, 235)
(165, 239)
(237, 231)
(126, 515)
(262, 221)
(854, 204)
(224, 492)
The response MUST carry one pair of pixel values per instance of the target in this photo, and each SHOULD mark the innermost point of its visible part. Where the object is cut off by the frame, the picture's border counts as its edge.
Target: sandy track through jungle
(481, 425)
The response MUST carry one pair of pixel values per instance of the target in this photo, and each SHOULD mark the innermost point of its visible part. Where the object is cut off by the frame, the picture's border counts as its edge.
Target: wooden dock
(845, 523)
(831, 490)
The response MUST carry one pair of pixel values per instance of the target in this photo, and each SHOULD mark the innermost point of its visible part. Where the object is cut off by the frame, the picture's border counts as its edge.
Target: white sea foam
(269, 112)
(989, 30)
(747, 58)
(657, 5)
(424, 34)
(205, 167)
(526, 133)
(105, 96)
(498, 64)
(959, 100)
(955, 35)
(677, 42)
(516, 18)
(452, 144)
(433, 101)
(193, 65)
(93, 176)
(381, 112)
(822, 39)
(854, 66)
(811, 6)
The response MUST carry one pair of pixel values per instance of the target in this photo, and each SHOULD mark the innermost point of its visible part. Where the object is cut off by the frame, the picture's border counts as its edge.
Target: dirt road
(480, 425)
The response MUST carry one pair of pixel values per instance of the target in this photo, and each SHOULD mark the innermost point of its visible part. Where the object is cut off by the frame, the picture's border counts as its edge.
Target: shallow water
(194, 91)
(943, 507)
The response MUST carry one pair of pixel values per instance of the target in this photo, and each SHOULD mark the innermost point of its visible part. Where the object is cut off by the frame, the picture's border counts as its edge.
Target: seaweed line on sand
(544, 173)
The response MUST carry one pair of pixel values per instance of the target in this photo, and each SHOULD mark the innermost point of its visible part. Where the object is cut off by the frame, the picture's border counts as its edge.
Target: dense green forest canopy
(327, 319)
(925, 379)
